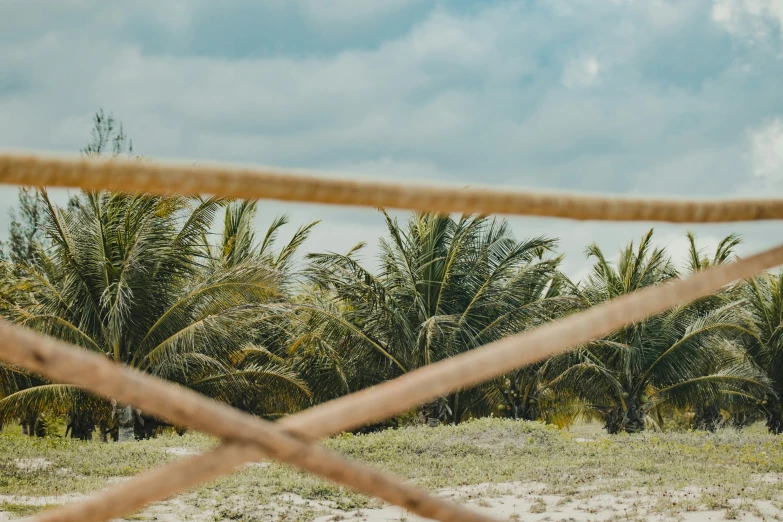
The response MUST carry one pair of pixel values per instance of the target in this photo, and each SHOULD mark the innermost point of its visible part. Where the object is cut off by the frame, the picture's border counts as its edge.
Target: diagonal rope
(63, 362)
(290, 185)
(391, 397)
(287, 440)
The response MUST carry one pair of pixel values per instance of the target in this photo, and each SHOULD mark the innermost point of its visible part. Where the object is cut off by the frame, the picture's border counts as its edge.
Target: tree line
(189, 290)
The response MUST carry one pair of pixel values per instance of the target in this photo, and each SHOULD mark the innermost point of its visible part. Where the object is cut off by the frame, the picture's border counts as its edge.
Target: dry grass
(677, 472)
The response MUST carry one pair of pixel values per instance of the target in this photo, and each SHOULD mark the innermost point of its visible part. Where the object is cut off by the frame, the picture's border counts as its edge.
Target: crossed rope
(291, 440)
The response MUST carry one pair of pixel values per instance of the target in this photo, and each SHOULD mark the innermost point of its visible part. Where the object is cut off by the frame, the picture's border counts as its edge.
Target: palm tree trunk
(612, 421)
(530, 411)
(456, 415)
(32, 426)
(635, 420)
(430, 412)
(146, 427)
(707, 417)
(775, 419)
(434, 412)
(80, 426)
(125, 421)
(629, 421)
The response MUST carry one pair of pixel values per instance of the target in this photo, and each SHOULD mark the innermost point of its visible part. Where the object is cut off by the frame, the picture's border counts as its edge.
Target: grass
(23, 510)
(682, 470)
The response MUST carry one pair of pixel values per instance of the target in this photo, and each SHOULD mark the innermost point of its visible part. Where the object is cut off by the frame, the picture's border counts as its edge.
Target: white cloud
(767, 150)
(470, 97)
(754, 20)
(408, 93)
(581, 73)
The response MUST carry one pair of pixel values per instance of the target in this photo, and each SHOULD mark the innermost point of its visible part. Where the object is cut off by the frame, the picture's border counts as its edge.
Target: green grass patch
(23, 510)
(725, 465)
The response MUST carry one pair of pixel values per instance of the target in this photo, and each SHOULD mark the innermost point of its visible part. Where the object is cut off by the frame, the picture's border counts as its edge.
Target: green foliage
(689, 356)
(25, 233)
(137, 278)
(145, 281)
(108, 137)
(763, 297)
(446, 286)
(131, 277)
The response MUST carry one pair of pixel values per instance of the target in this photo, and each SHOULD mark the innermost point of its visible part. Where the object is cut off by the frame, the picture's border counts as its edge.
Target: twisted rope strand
(290, 185)
(247, 438)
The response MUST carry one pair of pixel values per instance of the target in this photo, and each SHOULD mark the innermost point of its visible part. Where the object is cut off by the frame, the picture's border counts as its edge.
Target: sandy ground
(504, 501)
(510, 501)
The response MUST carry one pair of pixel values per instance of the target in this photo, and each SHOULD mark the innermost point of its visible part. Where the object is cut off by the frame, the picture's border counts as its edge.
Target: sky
(642, 98)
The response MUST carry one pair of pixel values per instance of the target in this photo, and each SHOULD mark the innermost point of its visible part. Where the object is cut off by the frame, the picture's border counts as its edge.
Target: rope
(290, 185)
(290, 440)
(61, 362)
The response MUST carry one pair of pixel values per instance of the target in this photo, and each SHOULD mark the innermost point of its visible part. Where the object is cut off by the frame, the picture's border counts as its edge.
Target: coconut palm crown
(686, 356)
(444, 286)
(136, 279)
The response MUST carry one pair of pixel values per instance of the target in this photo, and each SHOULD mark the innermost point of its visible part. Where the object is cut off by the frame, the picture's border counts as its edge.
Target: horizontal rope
(66, 363)
(403, 393)
(289, 185)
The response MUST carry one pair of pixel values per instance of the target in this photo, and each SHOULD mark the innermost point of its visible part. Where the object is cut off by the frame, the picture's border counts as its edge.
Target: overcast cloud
(678, 98)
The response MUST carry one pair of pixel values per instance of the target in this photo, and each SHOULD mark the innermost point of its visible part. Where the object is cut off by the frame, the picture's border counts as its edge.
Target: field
(515, 470)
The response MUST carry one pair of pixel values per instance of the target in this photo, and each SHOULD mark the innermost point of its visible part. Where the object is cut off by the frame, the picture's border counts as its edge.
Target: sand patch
(34, 464)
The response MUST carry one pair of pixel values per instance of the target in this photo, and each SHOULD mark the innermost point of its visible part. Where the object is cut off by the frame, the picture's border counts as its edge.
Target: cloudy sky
(645, 97)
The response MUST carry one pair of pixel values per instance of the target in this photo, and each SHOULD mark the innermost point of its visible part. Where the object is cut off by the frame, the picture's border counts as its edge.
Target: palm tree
(685, 357)
(22, 248)
(724, 253)
(534, 392)
(12, 380)
(764, 306)
(526, 393)
(445, 286)
(733, 408)
(137, 279)
(283, 389)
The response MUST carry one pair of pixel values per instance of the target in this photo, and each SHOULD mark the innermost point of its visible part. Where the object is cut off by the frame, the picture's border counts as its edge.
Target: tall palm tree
(239, 245)
(136, 278)
(733, 408)
(22, 248)
(526, 393)
(534, 392)
(724, 253)
(686, 356)
(444, 286)
(764, 306)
